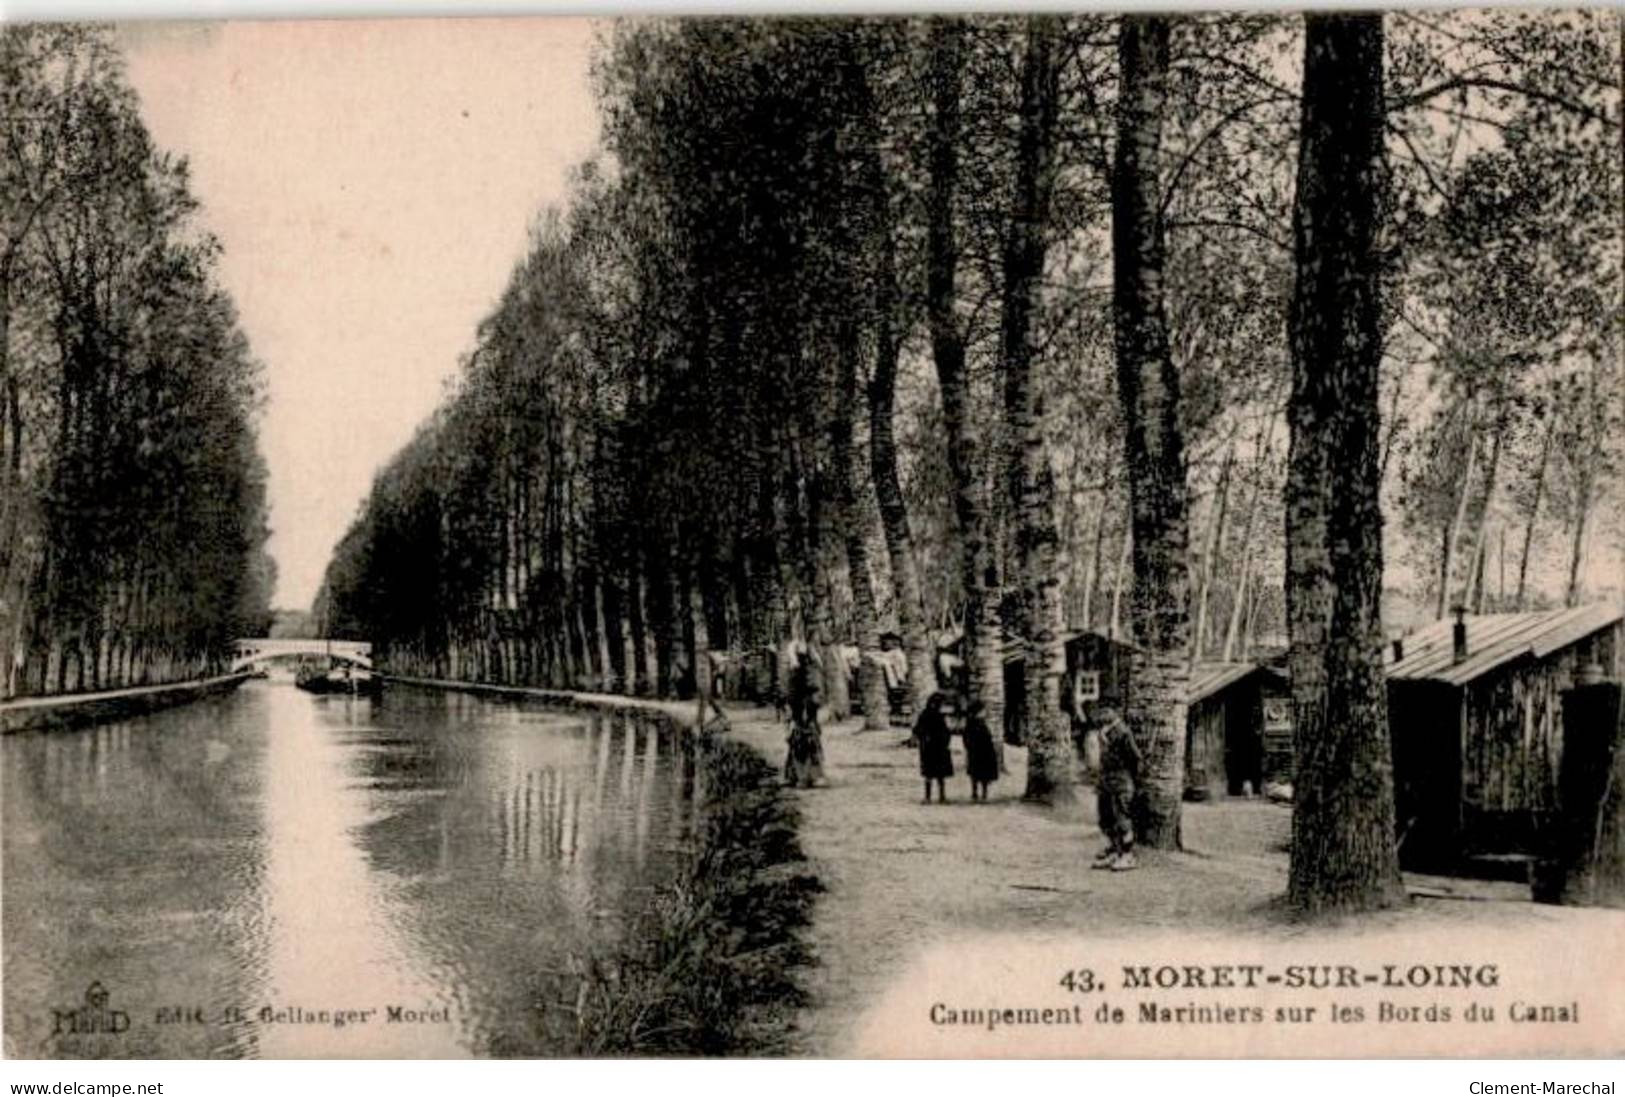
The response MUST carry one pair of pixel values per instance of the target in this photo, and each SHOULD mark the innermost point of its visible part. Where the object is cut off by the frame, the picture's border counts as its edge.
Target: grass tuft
(712, 966)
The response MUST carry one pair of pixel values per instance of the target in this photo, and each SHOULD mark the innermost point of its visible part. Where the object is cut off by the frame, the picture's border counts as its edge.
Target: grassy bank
(712, 968)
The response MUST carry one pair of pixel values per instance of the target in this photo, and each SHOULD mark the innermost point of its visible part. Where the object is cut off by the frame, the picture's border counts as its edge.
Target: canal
(275, 874)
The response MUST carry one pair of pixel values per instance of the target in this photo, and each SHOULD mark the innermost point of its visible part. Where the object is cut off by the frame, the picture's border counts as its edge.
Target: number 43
(1081, 981)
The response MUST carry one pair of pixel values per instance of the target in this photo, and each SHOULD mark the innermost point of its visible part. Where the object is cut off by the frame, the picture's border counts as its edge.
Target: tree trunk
(1091, 578)
(809, 535)
(767, 587)
(1391, 425)
(1343, 842)
(1215, 544)
(603, 639)
(983, 647)
(1577, 545)
(905, 576)
(1595, 408)
(686, 667)
(1155, 455)
(1501, 567)
(1452, 532)
(610, 607)
(643, 682)
(1474, 598)
(1534, 509)
(1030, 480)
(837, 686)
(11, 451)
(1261, 450)
(865, 623)
(1114, 627)
(694, 610)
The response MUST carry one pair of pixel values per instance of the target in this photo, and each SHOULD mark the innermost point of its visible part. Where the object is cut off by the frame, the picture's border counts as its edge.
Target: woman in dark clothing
(932, 734)
(805, 765)
(981, 756)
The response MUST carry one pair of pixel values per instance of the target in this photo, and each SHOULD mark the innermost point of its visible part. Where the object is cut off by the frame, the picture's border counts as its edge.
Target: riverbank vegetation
(1035, 324)
(132, 518)
(712, 967)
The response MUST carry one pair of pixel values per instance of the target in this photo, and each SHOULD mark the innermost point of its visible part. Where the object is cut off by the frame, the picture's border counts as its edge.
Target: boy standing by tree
(1119, 772)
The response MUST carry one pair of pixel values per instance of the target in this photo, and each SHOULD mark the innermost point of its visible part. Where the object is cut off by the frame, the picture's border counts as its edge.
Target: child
(981, 756)
(804, 763)
(1119, 770)
(932, 735)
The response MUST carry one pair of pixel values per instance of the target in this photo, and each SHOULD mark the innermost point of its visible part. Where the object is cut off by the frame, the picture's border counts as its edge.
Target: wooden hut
(1226, 751)
(1475, 712)
(1239, 727)
(1097, 669)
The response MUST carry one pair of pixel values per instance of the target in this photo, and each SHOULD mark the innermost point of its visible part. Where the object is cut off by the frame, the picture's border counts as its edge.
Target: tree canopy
(132, 492)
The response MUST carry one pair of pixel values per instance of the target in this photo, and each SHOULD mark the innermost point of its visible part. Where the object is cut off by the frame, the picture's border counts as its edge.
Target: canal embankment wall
(72, 710)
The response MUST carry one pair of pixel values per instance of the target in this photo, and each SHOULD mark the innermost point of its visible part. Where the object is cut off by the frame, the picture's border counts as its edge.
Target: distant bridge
(245, 653)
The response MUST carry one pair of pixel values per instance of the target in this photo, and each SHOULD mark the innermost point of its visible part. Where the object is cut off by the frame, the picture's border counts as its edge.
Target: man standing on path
(1119, 771)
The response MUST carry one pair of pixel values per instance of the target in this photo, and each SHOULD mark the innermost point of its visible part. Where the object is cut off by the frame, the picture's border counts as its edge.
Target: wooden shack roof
(1495, 639)
(1015, 653)
(1208, 679)
(1078, 635)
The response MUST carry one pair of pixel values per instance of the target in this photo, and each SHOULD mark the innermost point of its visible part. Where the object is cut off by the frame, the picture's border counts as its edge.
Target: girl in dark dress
(981, 756)
(931, 732)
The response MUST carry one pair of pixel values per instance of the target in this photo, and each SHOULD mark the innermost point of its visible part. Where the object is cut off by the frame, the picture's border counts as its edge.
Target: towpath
(903, 878)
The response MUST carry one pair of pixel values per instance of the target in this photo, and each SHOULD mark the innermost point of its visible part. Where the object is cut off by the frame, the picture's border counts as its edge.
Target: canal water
(275, 874)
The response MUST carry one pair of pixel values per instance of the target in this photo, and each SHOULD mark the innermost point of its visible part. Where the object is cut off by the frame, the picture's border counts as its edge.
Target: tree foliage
(132, 518)
(982, 325)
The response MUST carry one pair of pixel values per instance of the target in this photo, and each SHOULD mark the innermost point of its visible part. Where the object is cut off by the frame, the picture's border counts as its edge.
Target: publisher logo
(91, 1019)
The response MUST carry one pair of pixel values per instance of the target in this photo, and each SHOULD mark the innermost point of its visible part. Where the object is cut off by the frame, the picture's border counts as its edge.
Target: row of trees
(1030, 324)
(131, 490)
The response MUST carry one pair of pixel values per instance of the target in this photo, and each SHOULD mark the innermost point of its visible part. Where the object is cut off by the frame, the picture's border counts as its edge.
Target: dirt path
(903, 877)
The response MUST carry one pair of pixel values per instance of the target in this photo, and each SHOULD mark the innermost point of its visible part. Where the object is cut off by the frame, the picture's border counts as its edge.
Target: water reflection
(271, 853)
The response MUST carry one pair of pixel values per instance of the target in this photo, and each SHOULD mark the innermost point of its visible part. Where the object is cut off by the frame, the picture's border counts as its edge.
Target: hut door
(1015, 701)
(1243, 745)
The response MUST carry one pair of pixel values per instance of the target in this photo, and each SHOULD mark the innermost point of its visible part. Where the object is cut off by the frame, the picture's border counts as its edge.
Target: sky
(372, 185)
